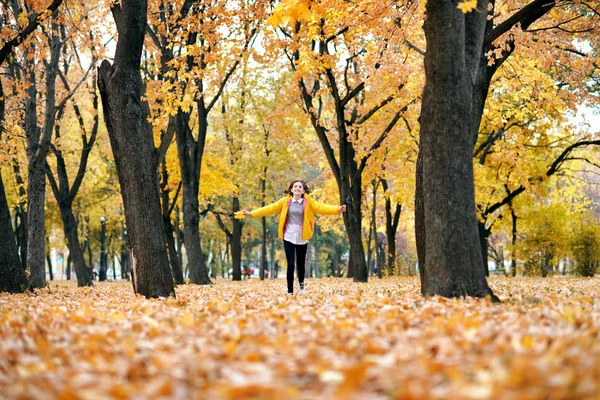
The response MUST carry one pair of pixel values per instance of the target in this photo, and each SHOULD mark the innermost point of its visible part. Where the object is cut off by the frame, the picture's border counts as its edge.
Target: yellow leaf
(467, 6)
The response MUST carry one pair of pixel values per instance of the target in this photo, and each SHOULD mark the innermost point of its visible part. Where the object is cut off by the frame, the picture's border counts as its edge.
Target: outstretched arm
(326, 209)
(265, 211)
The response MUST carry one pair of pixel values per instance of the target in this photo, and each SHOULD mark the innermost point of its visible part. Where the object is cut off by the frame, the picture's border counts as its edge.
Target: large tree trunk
(36, 250)
(121, 90)
(12, 274)
(453, 261)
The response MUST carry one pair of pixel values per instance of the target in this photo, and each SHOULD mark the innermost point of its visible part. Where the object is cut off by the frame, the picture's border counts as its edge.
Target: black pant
(299, 251)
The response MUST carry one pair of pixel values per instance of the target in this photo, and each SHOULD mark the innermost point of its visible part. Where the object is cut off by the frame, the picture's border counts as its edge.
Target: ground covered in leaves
(340, 340)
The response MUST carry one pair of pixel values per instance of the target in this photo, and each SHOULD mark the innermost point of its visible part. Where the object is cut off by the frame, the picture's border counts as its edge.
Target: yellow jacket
(311, 209)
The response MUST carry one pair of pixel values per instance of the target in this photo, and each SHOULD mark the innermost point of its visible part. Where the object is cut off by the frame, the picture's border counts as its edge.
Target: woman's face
(298, 188)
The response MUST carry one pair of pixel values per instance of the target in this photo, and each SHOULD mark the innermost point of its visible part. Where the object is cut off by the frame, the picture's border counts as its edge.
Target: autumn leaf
(467, 6)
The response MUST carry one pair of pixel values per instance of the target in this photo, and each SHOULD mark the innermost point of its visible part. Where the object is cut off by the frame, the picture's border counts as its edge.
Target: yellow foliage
(467, 6)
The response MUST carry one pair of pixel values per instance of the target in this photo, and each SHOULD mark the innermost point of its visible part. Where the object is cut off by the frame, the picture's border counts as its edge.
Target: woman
(297, 211)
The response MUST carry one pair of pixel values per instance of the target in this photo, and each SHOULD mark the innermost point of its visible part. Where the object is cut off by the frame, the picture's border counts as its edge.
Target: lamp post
(102, 272)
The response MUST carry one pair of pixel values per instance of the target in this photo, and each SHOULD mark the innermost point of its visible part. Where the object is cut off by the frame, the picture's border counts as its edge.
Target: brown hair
(289, 189)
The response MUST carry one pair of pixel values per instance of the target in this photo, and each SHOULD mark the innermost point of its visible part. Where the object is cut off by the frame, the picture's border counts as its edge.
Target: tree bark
(392, 218)
(484, 234)
(513, 261)
(121, 90)
(37, 150)
(83, 272)
(452, 266)
(236, 243)
(12, 274)
(166, 215)
(190, 158)
(49, 259)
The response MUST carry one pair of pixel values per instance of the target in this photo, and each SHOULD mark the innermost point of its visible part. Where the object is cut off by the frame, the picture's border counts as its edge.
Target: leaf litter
(341, 340)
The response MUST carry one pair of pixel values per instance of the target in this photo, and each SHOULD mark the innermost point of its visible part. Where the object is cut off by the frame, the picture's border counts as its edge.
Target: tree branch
(525, 16)
(35, 20)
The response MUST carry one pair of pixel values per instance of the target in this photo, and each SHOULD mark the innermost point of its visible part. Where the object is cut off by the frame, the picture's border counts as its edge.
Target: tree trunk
(68, 273)
(263, 250)
(484, 234)
(166, 215)
(84, 273)
(124, 255)
(380, 256)
(236, 243)
(391, 227)
(12, 274)
(274, 268)
(36, 250)
(453, 260)
(21, 217)
(49, 259)
(36, 190)
(513, 262)
(357, 265)
(121, 90)
(420, 220)
(189, 162)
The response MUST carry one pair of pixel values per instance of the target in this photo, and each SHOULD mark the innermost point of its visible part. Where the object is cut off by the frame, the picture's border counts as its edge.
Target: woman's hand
(343, 208)
(247, 213)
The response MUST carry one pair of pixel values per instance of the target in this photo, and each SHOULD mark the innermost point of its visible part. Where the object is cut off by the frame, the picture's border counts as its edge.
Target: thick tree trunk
(453, 260)
(357, 264)
(36, 250)
(121, 90)
(84, 273)
(12, 274)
